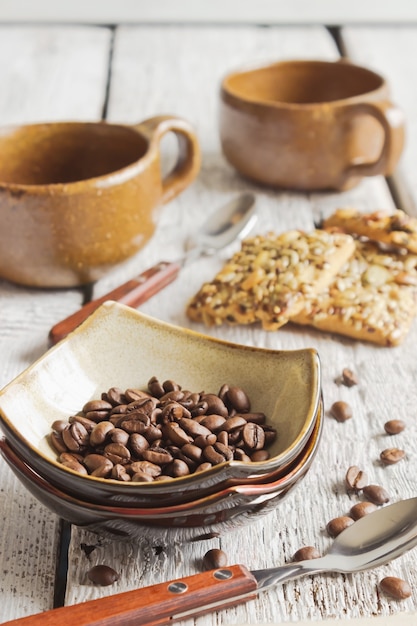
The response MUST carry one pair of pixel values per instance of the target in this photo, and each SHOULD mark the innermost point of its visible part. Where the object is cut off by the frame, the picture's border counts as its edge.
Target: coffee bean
(137, 443)
(146, 467)
(176, 434)
(338, 524)
(193, 428)
(57, 442)
(119, 473)
(214, 422)
(361, 509)
(117, 453)
(74, 465)
(59, 425)
(88, 424)
(93, 461)
(396, 588)
(253, 436)
(257, 418)
(393, 427)
(142, 477)
(97, 405)
(75, 437)
(259, 455)
(155, 387)
(104, 470)
(217, 453)
(376, 494)
(236, 398)
(134, 395)
(115, 396)
(215, 559)
(178, 467)
(118, 435)
(355, 479)
(390, 456)
(234, 423)
(159, 456)
(240, 455)
(205, 440)
(170, 385)
(192, 451)
(349, 378)
(99, 433)
(102, 575)
(341, 411)
(306, 553)
(203, 467)
(215, 405)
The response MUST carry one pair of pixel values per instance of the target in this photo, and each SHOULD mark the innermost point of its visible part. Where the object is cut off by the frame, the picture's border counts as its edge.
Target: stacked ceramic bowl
(119, 348)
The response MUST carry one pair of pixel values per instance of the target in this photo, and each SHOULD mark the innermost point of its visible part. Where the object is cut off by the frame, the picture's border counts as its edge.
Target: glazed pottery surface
(309, 124)
(285, 385)
(227, 509)
(77, 199)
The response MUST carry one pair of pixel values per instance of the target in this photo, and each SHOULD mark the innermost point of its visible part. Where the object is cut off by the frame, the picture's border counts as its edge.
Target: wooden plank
(396, 62)
(177, 69)
(46, 73)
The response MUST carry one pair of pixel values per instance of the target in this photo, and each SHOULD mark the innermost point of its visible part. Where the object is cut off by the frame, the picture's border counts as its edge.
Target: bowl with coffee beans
(128, 410)
(206, 515)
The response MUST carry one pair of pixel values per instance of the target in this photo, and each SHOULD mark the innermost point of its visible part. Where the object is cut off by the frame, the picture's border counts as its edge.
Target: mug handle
(189, 156)
(391, 119)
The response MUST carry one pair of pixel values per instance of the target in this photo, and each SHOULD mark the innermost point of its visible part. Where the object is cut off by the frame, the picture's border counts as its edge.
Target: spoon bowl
(371, 541)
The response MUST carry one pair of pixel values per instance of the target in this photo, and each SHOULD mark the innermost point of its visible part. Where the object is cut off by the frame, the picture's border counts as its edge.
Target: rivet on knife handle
(158, 604)
(133, 293)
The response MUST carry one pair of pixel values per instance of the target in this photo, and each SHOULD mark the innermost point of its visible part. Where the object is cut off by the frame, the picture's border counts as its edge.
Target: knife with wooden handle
(156, 605)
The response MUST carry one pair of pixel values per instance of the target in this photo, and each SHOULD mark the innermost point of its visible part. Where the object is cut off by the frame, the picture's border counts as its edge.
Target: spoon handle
(156, 605)
(132, 293)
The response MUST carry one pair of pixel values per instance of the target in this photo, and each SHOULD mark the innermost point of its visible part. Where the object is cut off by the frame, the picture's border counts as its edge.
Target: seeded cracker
(268, 279)
(373, 298)
(397, 230)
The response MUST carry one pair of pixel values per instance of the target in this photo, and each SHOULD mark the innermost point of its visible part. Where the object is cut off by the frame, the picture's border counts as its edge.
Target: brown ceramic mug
(78, 198)
(309, 124)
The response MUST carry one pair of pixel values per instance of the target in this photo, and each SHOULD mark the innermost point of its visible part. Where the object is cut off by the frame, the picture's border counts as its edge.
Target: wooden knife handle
(133, 292)
(155, 605)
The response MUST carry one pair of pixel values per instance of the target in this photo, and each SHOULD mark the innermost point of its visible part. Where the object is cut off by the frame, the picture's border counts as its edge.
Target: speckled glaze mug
(309, 125)
(79, 198)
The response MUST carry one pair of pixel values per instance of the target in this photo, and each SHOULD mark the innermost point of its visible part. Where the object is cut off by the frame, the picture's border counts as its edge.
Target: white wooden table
(126, 74)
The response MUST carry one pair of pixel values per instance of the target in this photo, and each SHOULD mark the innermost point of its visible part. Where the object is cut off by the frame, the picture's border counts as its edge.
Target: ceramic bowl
(118, 346)
(225, 510)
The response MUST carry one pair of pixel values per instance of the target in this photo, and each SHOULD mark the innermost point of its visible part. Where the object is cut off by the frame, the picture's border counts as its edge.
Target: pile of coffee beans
(161, 433)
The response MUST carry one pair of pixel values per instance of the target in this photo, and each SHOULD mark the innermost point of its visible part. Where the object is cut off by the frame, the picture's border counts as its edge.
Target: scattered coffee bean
(376, 494)
(355, 479)
(341, 411)
(215, 558)
(162, 433)
(390, 456)
(396, 588)
(361, 509)
(393, 427)
(338, 524)
(102, 575)
(349, 378)
(306, 553)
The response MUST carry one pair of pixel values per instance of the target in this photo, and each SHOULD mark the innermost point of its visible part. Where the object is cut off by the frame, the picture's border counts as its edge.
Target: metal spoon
(228, 223)
(371, 541)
